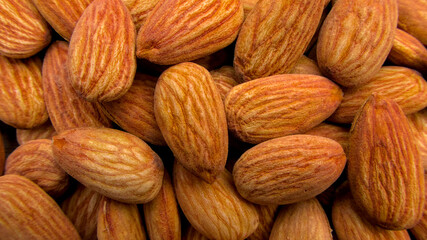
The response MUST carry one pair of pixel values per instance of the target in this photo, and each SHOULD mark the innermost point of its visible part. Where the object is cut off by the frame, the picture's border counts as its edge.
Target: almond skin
(418, 123)
(420, 230)
(267, 215)
(225, 78)
(191, 117)
(413, 18)
(193, 234)
(24, 32)
(288, 169)
(306, 65)
(184, 30)
(139, 10)
(405, 86)
(274, 36)
(383, 160)
(27, 212)
(21, 93)
(101, 57)
(116, 164)
(2, 155)
(44, 131)
(337, 133)
(280, 105)
(355, 39)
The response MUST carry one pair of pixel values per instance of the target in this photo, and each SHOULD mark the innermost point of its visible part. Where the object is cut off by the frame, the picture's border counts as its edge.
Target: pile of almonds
(213, 119)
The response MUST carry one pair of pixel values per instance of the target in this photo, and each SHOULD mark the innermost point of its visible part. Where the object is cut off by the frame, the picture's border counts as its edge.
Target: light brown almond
(306, 65)
(335, 132)
(420, 230)
(267, 215)
(413, 18)
(225, 78)
(193, 234)
(139, 10)
(418, 123)
(44, 131)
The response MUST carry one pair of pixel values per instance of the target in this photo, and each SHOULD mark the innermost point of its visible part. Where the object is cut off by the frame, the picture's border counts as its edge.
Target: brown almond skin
(191, 117)
(405, 86)
(215, 210)
(413, 18)
(118, 220)
(134, 111)
(21, 93)
(44, 131)
(337, 133)
(139, 10)
(113, 163)
(355, 39)
(420, 230)
(66, 108)
(383, 160)
(184, 30)
(306, 65)
(193, 234)
(267, 215)
(303, 220)
(288, 169)
(2, 154)
(280, 105)
(161, 214)
(225, 78)
(418, 123)
(267, 43)
(101, 57)
(248, 5)
(24, 32)
(27, 212)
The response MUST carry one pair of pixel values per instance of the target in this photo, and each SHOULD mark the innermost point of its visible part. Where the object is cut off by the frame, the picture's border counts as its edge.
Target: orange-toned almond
(306, 65)
(44, 131)
(418, 123)
(248, 5)
(413, 18)
(337, 133)
(193, 234)
(266, 215)
(420, 230)
(139, 10)
(225, 78)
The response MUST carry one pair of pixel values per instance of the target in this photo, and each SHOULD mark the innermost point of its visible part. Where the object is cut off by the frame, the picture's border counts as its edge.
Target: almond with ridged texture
(215, 210)
(2, 154)
(385, 172)
(191, 117)
(418, 123)
(355, 39)
(302, 220)
(335, 132)
(184, 30)
(413, 18)
(405, 86)
(288, 169)
(161, 214)
(193, 234)
(267, 215)
(27, 212)
(420, 230)
(34, 160)
(225, 78)
(280, 105)
(139, 10)
(113, 163)
(101, 57)
(306, 65)
(24, 32)
(248, 5)
(82, 209)
(66, 108)
(44, 131)
(134, 111)
(21, 93)
(118, 220)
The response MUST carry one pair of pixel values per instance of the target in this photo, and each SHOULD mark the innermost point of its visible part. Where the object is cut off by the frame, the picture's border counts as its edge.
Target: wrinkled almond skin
(134, 111)
(101, 57)
(266, 215)
(418, 123)
(337, 133)
(191, 117)
(27, 212)
(306, 65)
(405, 86)
(225, 78)
(248, 5)
(383, 160)
(66, 108)
(355, 39)
(44, 131)
(288, 169)
(280, 105)
(274, 36)
(193, 234)
(304, 220)
(139, 10)
(413, 18)
(113, 163)
(215, 210)
(34, 160)
(420, 230)
(21, 93)
(184, 30)
(24, 32)
(118, 220)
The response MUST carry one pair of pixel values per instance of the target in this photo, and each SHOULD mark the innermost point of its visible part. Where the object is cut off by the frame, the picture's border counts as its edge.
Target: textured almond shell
(191, 117)
(215, 210)
(418, 123)
(184, 30)
(101, 57)
(280, 105)
(27, 212)
(413, 18)
(44, 131)
(355, 39)
(116, 164)
(384, 169)
(225, 78)
(274, 36)
(288, 169)
(266, 215)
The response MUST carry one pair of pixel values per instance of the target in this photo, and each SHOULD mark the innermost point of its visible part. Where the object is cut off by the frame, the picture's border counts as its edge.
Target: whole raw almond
(288, 169)
(355, 39)
(27, 212)
(44, 131)
(191, 117)
(413, 18)
(418, 123)
(383, 160)
(335, 132)
(225, 78)
(280, 105)
(306, 65)
(101, 57)
(267, 215)
(116, 164)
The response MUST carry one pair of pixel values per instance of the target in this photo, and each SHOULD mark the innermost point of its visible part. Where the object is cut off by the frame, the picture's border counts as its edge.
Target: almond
(418, 123)
(248, 5)
(420, 230)
(101, 57)
(139, 10)
(44, 131)
(355, 40)
(280, 105)
(274, 36)
(193, 234)
(27, 212)
(288, 169)
(306, 65)
(337, 133)
(267, 215)
(413, 18)
(191, 117)
(383, 160)
(216, 59)
(2, 155)
(225, 78)
(184, 30)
